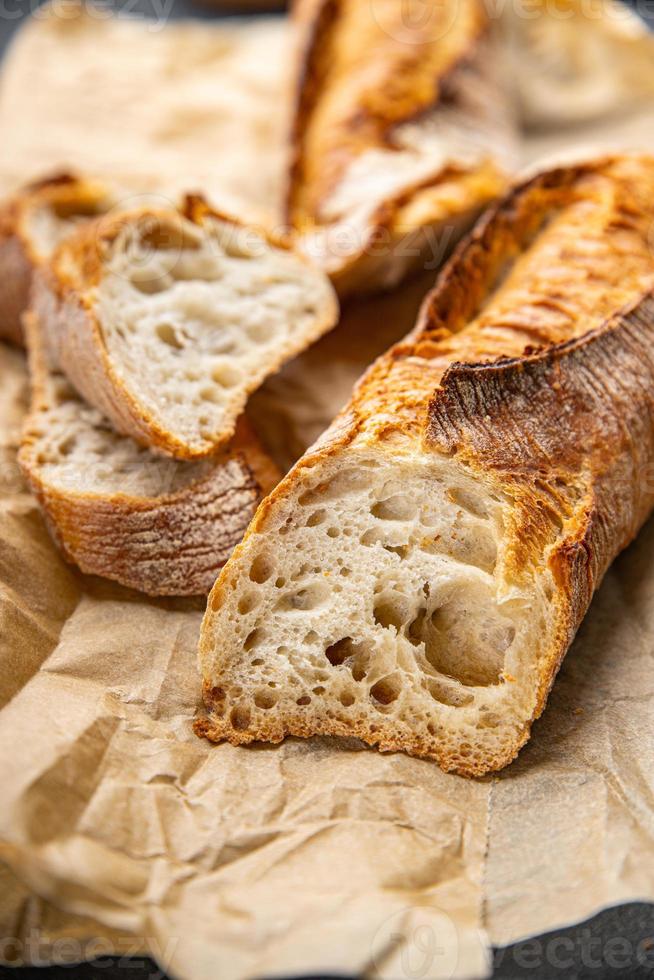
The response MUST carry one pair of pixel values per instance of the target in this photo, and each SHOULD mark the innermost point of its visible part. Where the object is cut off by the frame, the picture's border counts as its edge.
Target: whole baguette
(129, 514)
(418, 577)
(166, 321)
(402, 133)
(32, 223)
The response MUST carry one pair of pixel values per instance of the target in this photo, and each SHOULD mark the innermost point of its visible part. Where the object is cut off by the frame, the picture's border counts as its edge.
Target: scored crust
(32, 223)
(418, 577)
(129, 514)
(402, 134)
(166, 321)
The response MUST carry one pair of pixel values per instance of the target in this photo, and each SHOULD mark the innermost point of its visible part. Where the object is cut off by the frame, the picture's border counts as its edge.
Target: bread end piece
(155, 524)
(166, 322)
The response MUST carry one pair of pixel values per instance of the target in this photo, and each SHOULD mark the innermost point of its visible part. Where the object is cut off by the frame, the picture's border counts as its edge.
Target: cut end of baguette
(167, 324)
(378, 603)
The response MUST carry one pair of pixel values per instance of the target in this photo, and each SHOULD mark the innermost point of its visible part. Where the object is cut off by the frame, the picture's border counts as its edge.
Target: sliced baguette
(165, 322)
(32, 223)
(402, 133)
(419, 575)
(130, 514)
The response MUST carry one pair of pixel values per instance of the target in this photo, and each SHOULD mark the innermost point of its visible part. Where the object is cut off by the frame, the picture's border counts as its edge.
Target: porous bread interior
(192, 328)
(76, 449)
(378, 605)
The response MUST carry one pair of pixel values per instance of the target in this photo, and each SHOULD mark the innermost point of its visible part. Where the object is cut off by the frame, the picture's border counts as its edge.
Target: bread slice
(32, 223)
(419, 575)
(131, 514)
(402, 133)
(165, 322)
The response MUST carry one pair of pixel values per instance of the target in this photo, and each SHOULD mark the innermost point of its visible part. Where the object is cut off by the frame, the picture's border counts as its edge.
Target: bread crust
(562, 428)
(365, 72)
(20, 254)
(64, 299)
(169, 544)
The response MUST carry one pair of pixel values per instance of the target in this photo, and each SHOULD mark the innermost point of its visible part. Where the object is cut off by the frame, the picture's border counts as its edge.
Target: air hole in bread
(317, 517)
(148, 284)
(210, 395)
(347, 699)
(305, 699)
(392, 610)
(478, 550)
(304, 599)
(265, 700)
(261, 569)
(167, 333)
(395, 508)
(337, 653)
(467, 640)
(66, 447)
(253, 639)
(449, 695)
(240, 717)
(247, 602)
(386, 690)
(226, 376)
(469, 502)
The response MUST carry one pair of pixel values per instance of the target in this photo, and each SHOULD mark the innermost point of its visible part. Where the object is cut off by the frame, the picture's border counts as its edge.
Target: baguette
(402, 134)
(165, 322)
(418, 577)
(32, 223)
(126, 513)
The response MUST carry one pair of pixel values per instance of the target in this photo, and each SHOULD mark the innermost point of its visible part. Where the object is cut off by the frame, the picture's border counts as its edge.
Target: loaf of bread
(402, 133)
(418, 577)
(166, 321)
(156, 524)
(32, 223)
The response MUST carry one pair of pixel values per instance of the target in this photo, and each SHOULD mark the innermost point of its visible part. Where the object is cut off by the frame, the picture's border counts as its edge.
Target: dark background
(617, 944)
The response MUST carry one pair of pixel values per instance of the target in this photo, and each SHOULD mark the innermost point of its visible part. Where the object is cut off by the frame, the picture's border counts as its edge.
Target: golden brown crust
(365, 71)
(173, 543)
(531, 367)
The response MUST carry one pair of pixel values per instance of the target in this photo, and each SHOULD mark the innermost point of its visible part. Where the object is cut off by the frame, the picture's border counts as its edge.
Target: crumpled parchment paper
(119, 829)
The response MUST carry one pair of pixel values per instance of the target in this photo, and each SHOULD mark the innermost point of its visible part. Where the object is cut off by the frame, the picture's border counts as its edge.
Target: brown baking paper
(119, 829)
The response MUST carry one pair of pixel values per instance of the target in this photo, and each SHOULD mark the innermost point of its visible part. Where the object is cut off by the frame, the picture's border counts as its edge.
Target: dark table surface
(616, 943)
